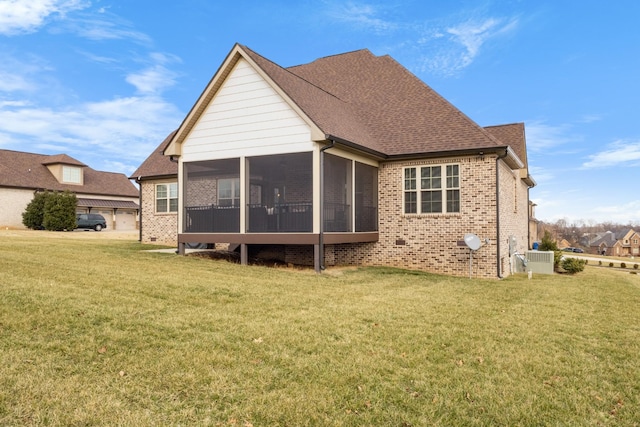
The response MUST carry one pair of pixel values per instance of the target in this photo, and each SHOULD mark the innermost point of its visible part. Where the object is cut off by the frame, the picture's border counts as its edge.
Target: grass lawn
(99, 332)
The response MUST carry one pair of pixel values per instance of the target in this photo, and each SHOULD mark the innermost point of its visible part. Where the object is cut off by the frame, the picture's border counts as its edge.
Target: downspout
(506, 152)
(321, 236)
(529, 244)
(175, 160)
(139, 180)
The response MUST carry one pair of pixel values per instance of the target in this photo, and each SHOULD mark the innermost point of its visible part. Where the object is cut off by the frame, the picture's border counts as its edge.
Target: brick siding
(157, 228)
(430, 242)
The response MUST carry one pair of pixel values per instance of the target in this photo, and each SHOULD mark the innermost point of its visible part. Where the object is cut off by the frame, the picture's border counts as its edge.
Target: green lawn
(100, 332)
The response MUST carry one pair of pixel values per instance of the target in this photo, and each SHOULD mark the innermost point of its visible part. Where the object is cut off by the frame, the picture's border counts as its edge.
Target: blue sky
(105, 81)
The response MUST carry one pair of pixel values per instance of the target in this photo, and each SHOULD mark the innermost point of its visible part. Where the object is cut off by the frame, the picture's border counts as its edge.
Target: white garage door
(108, 217)
(125, 220)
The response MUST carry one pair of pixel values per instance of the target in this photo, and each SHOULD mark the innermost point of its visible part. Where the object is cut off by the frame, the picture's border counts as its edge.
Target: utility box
(540, 262)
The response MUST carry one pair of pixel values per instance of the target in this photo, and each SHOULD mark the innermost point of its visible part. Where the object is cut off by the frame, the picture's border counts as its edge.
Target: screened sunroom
(276, 199)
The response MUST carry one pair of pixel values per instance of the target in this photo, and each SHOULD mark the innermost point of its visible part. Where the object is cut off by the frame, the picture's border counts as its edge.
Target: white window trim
(235, 189)
(443, 190)
(71, 174)
(168, 198)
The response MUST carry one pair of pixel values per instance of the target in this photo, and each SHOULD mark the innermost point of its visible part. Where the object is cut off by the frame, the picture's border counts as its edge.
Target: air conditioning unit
(540, 262)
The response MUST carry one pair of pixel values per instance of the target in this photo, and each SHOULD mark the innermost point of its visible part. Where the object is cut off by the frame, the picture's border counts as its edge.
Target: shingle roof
(28, 170)
(369, 102)
(375, 102)
(157, 164)
(62, 159)
(512, 135)
(103, 203)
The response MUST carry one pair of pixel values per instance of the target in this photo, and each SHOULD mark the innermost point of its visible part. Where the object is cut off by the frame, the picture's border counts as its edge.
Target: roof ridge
(292, 73)
(504, 124)
(336, 55)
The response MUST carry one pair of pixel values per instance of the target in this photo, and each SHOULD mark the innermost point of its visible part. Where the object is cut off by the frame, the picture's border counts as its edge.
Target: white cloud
(121, 130)
(624, 213)
(106, 26)
(152, 80)
(620, 153)
(542, 136)
(25, 16)
(17, 74)
(10, 82)
(542, 175)
(473, 34)
(455, 47)
(447, 49)
(155, 78)
(362, 15)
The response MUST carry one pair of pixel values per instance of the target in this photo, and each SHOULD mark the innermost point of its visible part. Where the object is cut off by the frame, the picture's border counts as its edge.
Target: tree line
(575, 232)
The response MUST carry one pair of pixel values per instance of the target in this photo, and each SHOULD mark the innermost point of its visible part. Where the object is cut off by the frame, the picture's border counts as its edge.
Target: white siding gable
(247, 117)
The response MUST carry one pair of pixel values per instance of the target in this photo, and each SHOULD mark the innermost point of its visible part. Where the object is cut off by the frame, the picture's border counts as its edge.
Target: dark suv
(91, 221)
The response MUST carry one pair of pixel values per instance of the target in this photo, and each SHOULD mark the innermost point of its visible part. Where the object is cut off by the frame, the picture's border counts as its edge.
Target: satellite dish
(472, 241)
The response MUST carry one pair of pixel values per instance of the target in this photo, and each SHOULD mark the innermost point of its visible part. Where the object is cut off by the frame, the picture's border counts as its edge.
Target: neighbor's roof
(157, 164)
(105, 203)
(608, 238)
(28, 170)
(369, 102)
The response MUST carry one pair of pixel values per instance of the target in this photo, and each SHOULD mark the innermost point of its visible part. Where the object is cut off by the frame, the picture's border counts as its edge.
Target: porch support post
(317, 258)
(244, 254)
(181, 248)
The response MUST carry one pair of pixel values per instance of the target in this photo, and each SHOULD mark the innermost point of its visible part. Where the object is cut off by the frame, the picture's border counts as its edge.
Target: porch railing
(212, 219)
(337, 217)
(280, 218)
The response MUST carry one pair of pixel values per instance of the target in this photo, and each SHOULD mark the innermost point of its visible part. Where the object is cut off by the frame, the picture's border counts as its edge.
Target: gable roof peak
(370, 102)
(62, 159)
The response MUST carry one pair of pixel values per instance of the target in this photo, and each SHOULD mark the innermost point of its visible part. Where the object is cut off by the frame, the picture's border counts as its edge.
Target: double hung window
(229, 192)
(432, 189)
(167, 198)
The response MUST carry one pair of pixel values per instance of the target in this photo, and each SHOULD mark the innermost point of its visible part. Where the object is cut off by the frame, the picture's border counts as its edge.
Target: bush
(635, 266)
(60, 212)
(623, 265)
(573, 265)
(51, 211)
(557, 258)
(547, 243)
(599, 262)
(33, 215)
(610, 264)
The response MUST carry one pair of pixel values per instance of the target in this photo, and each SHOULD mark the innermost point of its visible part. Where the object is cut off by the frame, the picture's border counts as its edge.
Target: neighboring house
(601, 243)
(623, 244)
(24, 174)
(347, 160)
(628, 244)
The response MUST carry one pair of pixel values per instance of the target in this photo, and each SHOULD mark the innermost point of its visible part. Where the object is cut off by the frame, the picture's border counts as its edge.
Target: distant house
(628, 244)
(600, 243)
(347, 160)
(625, 243)
(23, 174)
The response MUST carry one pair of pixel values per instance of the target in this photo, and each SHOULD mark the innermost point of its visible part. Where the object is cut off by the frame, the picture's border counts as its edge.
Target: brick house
(23, 174)
(157, 177)
(347, 160)
(627, 245)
